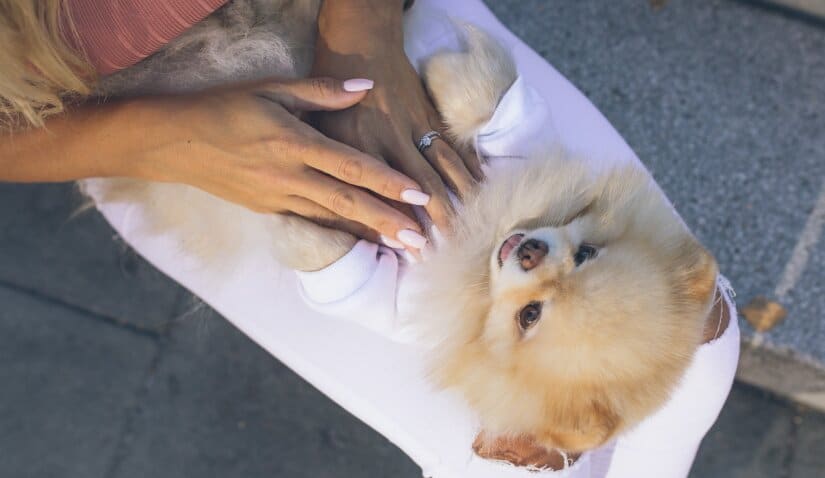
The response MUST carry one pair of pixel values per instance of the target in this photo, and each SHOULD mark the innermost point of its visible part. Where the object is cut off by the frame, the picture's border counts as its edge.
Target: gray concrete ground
(109, 369)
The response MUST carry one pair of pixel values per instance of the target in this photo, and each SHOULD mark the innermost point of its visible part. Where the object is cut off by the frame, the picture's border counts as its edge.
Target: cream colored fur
(467, 85)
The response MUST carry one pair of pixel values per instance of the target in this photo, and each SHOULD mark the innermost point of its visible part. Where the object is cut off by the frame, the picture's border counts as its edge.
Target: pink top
(115, 34)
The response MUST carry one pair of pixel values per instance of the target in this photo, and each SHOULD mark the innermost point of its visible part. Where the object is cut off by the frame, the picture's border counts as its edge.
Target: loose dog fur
(616, 302)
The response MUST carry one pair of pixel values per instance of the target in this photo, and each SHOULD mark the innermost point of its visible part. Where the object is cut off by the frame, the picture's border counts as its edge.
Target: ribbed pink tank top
(115, 34)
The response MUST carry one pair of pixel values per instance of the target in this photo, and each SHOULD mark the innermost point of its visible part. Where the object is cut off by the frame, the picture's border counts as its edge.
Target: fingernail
(390, 242)
(412, 238)
(436, 235)
(410, 258)
(358, 84)
(427, 252)
(411, 196)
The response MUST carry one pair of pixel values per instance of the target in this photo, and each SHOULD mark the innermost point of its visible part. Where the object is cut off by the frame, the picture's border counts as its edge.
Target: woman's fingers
(358, 205)
(450, 166)
(359, 169)
(472, 161)
(322, 216)
(315, 94)
(468, 156)
(410, 162)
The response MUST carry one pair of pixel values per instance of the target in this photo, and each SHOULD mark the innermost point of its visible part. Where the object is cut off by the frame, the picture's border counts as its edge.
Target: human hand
(364, 37)
(245, 144)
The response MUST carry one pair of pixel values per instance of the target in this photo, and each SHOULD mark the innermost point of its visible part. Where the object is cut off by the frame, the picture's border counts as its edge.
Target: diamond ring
(427, 140)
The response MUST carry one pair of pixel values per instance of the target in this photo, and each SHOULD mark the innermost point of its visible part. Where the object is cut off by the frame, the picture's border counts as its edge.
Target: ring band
(427, 140)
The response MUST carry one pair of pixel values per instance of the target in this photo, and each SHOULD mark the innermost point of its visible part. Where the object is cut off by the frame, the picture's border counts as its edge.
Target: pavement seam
(790, 444)
(787, 11)
(106, 319)
(123, 442)
(806, 241)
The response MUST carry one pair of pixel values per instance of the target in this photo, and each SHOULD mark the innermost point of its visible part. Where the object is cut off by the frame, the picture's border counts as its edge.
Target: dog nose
(531, 253)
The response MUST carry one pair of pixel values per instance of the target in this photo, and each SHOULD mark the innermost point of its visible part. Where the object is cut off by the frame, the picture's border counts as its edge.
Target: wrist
(93, 140)
(380, 7)
(149, 142)
(360, 26)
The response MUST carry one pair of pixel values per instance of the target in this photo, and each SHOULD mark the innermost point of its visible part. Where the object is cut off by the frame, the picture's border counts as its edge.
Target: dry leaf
(657, 4)
(763, 314)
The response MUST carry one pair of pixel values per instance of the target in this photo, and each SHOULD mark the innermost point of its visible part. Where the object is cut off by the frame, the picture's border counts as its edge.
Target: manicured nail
(390, 242)
(427, 252)
(411, 196)
(435, 234)
(412, 238)
(358, 84)
(410, 258)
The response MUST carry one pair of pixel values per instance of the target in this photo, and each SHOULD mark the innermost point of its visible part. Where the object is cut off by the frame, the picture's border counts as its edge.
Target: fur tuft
(245, 40)
(467, 86)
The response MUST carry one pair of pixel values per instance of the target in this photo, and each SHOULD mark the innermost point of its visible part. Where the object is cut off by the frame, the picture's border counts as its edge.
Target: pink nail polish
(435, 234)
(412, 238)
(358, 84)
(391, 242)
(411, 196)
(410, 258)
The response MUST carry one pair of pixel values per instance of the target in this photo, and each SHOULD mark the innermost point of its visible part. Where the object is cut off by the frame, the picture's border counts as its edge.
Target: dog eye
(529, 315)
(585, 252)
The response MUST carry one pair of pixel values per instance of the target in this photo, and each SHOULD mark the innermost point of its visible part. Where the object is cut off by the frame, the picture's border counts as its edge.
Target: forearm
(339, 19)
(375, 8)
(104, 140)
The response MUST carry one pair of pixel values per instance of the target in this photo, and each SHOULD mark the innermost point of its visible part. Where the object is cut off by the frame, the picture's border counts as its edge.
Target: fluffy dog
(565, 305)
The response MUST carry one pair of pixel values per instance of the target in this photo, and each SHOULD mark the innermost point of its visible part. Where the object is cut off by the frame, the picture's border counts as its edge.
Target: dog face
(531, 272)
(566, 307)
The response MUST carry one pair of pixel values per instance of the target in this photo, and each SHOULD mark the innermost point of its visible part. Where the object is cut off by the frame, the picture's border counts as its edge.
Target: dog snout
(531, 252)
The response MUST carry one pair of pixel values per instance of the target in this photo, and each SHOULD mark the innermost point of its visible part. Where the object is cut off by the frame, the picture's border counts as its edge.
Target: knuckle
(448, 158)
(321, 86)
(464, 183)
(282, 183)
(350, 170)
(290, 148)
(277, 149)
(342, 202)
(384, 225)
(432, 180)
(388, 188)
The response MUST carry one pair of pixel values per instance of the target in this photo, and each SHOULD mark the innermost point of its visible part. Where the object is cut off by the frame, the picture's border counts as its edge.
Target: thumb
(317, 94)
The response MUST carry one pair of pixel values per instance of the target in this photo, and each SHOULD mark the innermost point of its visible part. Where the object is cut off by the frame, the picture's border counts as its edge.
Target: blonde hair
(38, 70)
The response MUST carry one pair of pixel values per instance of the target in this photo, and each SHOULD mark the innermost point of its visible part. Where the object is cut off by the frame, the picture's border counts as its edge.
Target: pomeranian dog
(564, 304)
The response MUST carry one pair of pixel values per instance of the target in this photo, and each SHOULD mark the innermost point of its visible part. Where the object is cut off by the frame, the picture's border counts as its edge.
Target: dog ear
(583, 428)
(696, 275)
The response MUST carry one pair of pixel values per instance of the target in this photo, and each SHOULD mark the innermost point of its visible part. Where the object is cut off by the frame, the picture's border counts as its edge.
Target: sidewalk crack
(91, 314)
